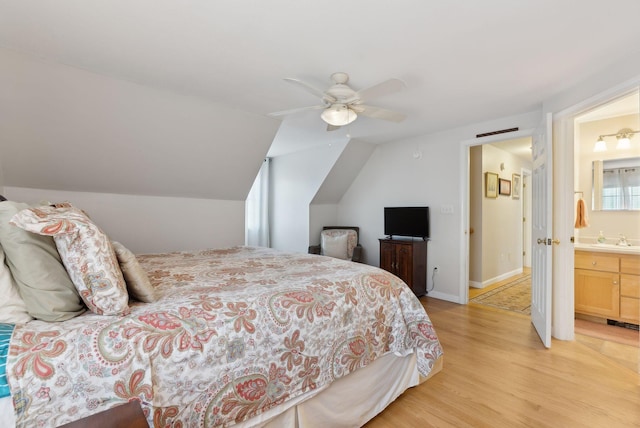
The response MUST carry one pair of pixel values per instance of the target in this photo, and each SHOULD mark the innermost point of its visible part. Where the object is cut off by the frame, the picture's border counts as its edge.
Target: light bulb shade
(600, 146)
(623, 143)
(338, 115)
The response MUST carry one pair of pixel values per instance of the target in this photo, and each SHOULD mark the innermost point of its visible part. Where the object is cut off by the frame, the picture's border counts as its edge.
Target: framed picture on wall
(505, 187)
(490, 185)
(515, 183)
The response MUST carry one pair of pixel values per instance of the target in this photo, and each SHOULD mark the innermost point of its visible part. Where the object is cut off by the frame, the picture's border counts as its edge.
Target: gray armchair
(342, 242)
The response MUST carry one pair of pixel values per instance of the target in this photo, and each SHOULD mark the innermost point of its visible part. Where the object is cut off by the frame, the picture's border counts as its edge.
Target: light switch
(446, 209)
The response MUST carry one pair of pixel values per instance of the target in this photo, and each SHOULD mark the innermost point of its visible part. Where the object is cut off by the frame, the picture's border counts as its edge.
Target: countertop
(607, 248)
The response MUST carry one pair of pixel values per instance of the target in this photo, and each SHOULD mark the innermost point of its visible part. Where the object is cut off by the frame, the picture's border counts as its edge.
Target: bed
(240, 336)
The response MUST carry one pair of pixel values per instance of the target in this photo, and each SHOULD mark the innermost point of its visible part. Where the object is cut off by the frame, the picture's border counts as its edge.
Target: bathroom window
(621, 188)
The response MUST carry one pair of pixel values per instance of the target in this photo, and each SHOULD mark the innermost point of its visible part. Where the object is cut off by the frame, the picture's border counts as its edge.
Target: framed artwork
(505, 187)
(490, 185)
(515, 183)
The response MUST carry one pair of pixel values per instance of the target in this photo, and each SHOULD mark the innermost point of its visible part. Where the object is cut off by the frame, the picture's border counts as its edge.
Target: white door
(542, 228)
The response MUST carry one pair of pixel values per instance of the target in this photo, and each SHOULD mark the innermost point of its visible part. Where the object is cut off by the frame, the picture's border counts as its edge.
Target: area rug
(514, 296)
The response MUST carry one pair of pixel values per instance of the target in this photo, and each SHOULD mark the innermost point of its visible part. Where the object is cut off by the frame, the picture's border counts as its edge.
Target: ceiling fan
(341, 105)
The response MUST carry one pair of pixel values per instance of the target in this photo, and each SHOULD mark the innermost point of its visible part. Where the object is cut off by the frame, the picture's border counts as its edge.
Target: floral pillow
(86, 252)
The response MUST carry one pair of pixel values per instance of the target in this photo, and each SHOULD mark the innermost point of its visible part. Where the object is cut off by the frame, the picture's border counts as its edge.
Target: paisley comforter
(235, 333)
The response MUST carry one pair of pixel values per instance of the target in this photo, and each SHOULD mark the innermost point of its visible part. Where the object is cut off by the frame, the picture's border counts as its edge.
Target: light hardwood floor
(497, 374)
(475, 292)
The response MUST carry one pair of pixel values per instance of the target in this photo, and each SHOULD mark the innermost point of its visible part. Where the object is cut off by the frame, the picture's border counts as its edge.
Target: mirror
(616, 184)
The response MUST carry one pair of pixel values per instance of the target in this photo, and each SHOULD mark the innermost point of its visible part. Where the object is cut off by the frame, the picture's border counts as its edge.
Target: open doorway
(606, 177)
(500, 231)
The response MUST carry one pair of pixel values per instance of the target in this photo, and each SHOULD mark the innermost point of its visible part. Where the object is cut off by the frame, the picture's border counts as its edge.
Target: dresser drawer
(597, 261)
(630, 285)
(630, 309)
(630, 264)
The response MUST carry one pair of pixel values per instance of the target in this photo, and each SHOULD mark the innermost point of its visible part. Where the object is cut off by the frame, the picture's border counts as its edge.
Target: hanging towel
(581, 215)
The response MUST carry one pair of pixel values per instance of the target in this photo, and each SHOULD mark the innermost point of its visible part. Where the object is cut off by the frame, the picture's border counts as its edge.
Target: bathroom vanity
(607, 282)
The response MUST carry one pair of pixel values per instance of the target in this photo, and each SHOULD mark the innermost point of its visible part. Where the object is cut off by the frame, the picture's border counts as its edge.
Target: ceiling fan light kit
(338, 115)
(341, 105)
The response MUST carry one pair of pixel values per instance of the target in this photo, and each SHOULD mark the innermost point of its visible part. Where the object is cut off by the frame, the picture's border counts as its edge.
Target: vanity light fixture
(601, 145)
(623, 136)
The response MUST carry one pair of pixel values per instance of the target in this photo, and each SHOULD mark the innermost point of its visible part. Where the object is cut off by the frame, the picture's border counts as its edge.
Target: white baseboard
(500, 277)
(444, 296)
(475, 284)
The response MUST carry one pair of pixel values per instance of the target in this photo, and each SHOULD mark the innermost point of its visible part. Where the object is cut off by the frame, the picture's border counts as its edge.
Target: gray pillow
(138, 284)
(43, 282)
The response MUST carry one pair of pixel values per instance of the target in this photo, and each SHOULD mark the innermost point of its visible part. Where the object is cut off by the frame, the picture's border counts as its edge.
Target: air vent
(502, 131)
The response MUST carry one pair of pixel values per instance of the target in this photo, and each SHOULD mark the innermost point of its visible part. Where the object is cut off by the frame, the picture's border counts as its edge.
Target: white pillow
(335, 245)
(13, 310)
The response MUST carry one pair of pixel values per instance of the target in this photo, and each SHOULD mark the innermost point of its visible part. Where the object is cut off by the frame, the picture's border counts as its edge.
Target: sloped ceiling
(462, 61)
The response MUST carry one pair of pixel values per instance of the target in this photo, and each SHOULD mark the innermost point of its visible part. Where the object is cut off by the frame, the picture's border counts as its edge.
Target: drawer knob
(594, 263)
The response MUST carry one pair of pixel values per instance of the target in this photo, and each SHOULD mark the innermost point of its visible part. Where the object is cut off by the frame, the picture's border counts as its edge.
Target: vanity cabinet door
(597, 293)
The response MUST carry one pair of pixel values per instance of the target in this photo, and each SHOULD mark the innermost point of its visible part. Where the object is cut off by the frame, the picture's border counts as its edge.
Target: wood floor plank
(497, 374)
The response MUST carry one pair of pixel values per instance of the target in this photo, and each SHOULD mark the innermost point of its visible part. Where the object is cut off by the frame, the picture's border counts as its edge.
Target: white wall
(392, 176)
(501, 253)
(612, 223)
(152, 224)
(321, 215)
(295, 179)
(1, 179)
(70, 129)
(323, 210)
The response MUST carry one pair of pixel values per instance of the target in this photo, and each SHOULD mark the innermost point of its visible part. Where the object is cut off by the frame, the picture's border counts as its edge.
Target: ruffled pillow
(138, 284)
(86, 253)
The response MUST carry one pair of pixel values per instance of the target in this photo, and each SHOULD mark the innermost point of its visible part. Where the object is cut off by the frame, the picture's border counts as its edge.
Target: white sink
(619, 247)
(613, 248)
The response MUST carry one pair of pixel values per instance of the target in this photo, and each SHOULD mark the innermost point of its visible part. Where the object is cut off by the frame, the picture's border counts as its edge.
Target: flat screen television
(406, 221)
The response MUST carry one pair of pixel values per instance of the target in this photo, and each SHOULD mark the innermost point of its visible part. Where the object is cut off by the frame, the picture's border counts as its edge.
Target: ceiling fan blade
(311, 89)
(379, 113)
(295, 110)
(381, 89)
(332, 127)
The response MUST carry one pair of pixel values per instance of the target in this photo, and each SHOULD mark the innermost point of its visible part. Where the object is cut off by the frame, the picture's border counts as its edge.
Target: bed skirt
(370, 390)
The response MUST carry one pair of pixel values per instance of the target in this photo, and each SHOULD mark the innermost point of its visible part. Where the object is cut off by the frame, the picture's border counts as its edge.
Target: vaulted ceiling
(462, 61)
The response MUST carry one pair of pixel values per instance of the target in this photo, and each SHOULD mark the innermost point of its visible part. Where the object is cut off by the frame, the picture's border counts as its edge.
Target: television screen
(406, 221)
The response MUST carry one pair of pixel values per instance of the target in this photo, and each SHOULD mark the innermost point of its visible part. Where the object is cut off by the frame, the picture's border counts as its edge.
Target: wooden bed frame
(125, 416)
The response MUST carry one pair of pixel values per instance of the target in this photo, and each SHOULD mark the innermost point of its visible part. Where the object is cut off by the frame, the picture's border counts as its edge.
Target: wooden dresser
(607, 285)
(407, 260)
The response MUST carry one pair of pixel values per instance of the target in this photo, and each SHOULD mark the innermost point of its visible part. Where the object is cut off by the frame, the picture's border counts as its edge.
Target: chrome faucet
(622, 241)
